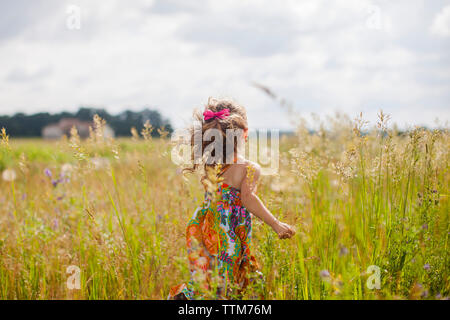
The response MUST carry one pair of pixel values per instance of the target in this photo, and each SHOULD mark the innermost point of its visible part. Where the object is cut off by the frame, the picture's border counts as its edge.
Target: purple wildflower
(427, 266)
(55, 223)
(55, 182)
(324, 274)
(65, 179)
(343, 251)
(47, 172)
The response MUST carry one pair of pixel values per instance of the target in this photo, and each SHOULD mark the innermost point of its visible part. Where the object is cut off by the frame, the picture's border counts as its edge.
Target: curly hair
(237, 119)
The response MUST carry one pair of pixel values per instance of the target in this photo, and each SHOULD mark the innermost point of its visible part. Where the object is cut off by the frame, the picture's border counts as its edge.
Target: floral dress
(218, 240)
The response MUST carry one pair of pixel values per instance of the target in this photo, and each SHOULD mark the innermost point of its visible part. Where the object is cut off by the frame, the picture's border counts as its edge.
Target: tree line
(23, 125)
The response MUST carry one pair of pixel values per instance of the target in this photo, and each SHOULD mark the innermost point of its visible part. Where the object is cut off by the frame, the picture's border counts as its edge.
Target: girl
(219, 233)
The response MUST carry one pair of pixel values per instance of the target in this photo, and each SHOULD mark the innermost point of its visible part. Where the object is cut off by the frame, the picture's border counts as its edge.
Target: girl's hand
(283, 230)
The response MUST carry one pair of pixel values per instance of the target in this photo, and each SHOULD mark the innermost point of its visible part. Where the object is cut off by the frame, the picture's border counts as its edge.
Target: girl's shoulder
(248, 165)
(245, 168)
(252, 172)
(253, 166)
(236, 173)
(245, 164)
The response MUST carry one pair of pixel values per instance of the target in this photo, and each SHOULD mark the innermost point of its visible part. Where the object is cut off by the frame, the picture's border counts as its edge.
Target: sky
(346, 56)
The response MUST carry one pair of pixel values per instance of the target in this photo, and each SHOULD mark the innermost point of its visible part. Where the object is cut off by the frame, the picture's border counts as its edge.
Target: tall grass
(117, 209)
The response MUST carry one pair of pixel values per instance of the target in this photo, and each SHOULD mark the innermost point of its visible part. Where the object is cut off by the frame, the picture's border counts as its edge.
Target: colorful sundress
(218, 241)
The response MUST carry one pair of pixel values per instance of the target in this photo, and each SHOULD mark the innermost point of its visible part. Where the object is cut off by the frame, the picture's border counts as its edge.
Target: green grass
(355, 201)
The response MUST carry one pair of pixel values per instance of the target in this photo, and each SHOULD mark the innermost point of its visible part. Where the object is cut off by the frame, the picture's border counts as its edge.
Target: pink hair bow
(208, 114)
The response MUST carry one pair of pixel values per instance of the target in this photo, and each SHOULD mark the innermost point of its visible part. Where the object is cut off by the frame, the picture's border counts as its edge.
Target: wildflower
(343, 251)
(325, 274)
(55, 224)
(47, 172)
(9, 175)
(427, 266)
(417, 291)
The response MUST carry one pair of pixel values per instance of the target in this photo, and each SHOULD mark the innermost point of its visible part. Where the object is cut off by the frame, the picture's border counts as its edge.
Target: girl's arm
(252, 202)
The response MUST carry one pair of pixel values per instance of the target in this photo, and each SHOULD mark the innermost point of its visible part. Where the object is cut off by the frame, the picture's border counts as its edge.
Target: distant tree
(86, 114)
(123, 123)
(22, 125)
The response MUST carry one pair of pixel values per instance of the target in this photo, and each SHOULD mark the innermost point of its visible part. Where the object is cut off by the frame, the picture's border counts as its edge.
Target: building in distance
(58, 130)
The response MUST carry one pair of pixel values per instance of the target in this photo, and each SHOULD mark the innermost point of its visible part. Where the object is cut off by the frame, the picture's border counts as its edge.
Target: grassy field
(117, 210)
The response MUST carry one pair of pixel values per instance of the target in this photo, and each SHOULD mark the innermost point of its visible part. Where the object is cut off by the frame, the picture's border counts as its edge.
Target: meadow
(358, 194)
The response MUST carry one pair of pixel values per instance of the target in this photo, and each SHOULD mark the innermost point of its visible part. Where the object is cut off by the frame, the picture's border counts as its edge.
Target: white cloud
(441, 23)
(173, 55)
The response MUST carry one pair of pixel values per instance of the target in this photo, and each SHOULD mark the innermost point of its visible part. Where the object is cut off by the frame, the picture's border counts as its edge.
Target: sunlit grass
(118, 210)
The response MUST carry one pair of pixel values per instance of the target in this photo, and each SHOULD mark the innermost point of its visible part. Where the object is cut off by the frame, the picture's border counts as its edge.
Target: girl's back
(235, 174)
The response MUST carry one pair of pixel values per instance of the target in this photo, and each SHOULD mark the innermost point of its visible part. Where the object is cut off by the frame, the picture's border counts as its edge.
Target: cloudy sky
(171, 55)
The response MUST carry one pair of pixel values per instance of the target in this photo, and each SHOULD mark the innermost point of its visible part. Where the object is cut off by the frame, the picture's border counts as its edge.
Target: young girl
(219, 233)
